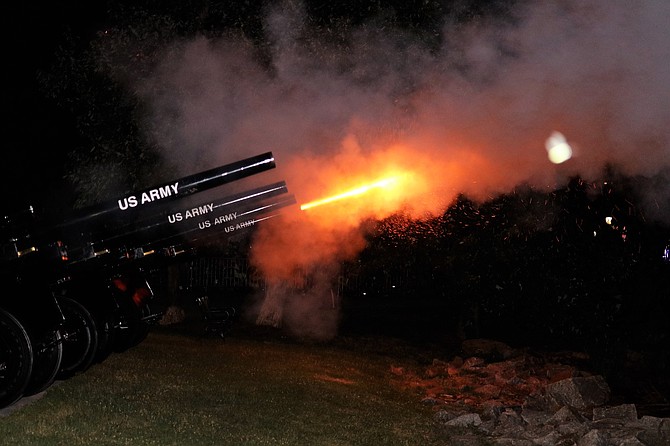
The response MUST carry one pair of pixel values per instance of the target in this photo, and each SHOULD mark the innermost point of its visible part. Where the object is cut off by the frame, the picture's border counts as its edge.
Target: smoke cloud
(471, 116)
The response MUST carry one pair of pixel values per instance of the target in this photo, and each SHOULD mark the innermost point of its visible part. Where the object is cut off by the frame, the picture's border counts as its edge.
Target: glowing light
(351, 193)
(558, 149)
(608, 220)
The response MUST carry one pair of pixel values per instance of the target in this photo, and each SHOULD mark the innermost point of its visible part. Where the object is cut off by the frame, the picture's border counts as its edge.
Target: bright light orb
(558, 149)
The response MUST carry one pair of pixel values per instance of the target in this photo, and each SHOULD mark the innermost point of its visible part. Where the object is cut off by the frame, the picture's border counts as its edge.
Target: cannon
(77, 290)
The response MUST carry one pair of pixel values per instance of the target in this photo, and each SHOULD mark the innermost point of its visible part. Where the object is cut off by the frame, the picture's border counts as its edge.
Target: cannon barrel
(150, 217)
(77, 289)
(182, 224)
(227, 220)
(176, 216)
(226, 225)
(176, 189)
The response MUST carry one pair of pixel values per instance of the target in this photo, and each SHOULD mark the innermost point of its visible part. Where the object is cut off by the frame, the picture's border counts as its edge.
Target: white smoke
(596, 71)
(475, 113)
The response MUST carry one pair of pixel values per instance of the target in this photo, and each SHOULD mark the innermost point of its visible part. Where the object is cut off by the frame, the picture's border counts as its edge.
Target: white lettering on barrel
(158, 193)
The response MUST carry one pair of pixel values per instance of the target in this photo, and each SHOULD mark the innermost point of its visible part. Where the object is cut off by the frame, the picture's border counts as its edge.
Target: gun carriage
(76, 291)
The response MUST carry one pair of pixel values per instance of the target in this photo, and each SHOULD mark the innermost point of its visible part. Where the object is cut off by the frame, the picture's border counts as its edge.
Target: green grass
(176, 389)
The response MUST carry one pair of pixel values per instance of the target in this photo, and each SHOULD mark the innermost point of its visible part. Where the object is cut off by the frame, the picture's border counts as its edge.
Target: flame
(360, 190)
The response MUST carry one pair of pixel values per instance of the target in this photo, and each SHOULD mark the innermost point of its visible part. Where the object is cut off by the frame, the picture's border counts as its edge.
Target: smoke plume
(470, 116)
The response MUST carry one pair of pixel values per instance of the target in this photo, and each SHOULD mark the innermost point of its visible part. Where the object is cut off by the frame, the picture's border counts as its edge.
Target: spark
(351, 193)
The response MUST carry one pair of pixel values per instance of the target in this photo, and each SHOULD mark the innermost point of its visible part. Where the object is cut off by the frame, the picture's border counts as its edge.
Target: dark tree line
(580, 268)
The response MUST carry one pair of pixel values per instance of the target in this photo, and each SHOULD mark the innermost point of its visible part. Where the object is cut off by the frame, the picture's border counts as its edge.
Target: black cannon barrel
(229, 219)
(223, 225)
(178, 215)
(167, 223)
(158, 217)
(76, 288)
(177, 189)
(223, 222)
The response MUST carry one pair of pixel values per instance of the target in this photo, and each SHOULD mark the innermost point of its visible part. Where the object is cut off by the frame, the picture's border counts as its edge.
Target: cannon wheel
(145, 327)
(130, 324)
(48, 354)
(106, 336)
(79, 337)
(16, 359)
(133, 327)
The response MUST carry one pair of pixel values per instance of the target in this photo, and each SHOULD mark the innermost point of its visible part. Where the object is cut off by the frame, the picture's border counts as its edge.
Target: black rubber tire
(106, 335)
(130, 323)
(79, 337)
(47, 357)
(144, 326)
(16, 359)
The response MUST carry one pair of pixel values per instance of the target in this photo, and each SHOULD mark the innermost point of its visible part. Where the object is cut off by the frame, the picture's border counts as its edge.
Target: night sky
(497, 88)
(37, 133)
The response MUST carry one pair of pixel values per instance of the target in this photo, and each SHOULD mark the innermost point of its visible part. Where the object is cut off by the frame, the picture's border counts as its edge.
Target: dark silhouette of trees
(580, 267)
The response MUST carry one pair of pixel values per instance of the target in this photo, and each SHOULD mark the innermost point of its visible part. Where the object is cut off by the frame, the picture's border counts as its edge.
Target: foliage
(579, 267)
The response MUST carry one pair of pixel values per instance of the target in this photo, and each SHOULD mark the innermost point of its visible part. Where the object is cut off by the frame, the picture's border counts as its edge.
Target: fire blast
(386, 182)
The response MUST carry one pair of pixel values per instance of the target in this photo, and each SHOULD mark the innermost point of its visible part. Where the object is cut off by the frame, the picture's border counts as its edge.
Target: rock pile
(173, 315)
(517, 399)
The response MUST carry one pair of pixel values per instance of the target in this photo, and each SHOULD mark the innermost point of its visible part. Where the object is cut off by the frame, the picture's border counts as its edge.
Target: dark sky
(36, 132)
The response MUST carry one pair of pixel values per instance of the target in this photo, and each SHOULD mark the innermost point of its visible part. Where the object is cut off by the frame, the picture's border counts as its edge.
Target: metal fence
(218, 272)
(235, 272)
(354, 281)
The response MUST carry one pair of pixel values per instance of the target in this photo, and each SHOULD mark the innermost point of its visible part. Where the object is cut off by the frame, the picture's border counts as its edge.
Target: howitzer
(77, 290)
(30, 341)
(177, 189)
(181, 224)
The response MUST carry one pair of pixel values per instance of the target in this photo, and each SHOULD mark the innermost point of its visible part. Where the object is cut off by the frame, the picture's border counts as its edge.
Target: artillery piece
(77, 290)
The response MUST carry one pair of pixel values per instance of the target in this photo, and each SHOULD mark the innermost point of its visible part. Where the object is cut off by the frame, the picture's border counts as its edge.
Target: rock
(656, 431)
(488, 391)
(487, 349)
(491, 410)
(438, 368)
(632, 441)
(579, 392)
(520, 402)
(397, 371)
(565, 415)
(535, 417)
(559, 372)
(594, 437)
(444, 416)
(551, 439)
(623, 412)
(467, 420)
(441, 416)
(473, 362)
(172, 315)
(430, 401)
(653, 439)
(538, 401)
(510, 417)
(651, 422)
(504, 441)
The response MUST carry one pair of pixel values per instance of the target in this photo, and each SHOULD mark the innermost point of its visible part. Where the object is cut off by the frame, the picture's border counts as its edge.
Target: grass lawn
(181, 389)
